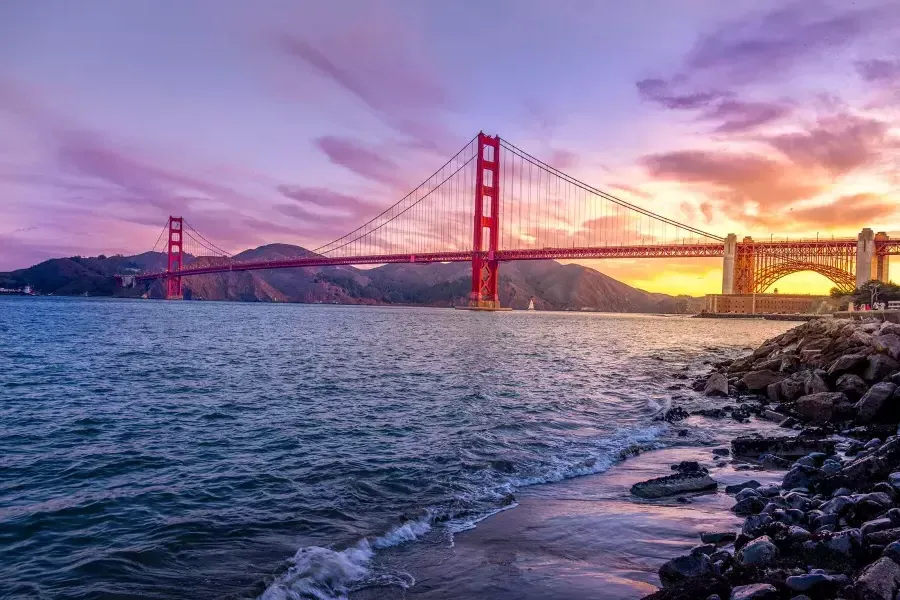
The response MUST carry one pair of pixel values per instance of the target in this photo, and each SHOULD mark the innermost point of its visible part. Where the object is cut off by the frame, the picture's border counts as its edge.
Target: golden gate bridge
(493, 202)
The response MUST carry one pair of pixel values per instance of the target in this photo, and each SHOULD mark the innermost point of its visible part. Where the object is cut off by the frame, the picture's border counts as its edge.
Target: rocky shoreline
(831, 530)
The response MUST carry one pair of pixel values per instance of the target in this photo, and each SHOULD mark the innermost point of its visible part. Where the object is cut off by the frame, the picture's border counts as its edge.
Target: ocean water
(155, 449)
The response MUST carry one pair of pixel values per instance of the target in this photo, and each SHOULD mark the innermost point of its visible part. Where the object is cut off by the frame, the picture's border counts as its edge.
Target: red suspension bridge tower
(485, 293)
(175, 257)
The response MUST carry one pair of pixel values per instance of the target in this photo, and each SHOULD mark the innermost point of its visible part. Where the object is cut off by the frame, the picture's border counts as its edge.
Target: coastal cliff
(831, 529)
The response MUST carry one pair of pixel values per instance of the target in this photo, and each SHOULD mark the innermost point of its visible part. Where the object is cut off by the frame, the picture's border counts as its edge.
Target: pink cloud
(359, 158)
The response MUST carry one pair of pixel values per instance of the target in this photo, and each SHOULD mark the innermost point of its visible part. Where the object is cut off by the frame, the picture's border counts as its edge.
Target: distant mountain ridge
(552, 285)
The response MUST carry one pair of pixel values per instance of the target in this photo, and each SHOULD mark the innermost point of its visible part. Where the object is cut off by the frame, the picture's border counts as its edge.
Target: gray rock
(874, 402)
(798, 534)
(888, 343)
(759, 552)
(734, 489)
(684, 567)
(838, 506)
(892, 551)
(884, 537)
(754, 446)
(748, 506)
(830, 467)
(806, 461)
(802, 477)
(756, 524)
(879, 581)
(814, 384)
(746, 493)
(706, 549)
(893, 479)
(894, 515)
(846, 364)
(792, 388)
(671, 485)
(717, 537)
(841, 492)
(870, 527)
(769, 491)
(755, 591)
(819, 581)
(760, 380)
(774, 463)
(716, 385)
(846, 543)
(721, 452)
(852, 386)
(821, 407)
(878, 367)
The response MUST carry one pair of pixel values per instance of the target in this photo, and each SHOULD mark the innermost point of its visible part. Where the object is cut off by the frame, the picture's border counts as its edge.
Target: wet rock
(774, 463)
(671, 485)
(878, 367)
(737, 487)
(888, 343)
(847, 364)
(721, 452)
(802, 476)
(689, 466)
(755, 525)
(851, 386)
(814, 384)
(759, 552)
(830, 467)
(878, 581)
(820, 582)
(684, 567)
(769, 491)
(875, 403)
(717, 537)
(755, 591)
(821, 407)
(892, 551)
(893, 479)
(674, 414)
(716, 385)
(798, 535)
(746, 493)
(884, 537)
(784, 446)
(748, 506)
(760, 380)
(870, 527)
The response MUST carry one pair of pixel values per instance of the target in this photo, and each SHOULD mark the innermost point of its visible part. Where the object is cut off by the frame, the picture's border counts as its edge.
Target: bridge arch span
(844, 281)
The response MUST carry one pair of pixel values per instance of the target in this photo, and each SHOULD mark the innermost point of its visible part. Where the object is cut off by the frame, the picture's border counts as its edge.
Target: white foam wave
(318, 573)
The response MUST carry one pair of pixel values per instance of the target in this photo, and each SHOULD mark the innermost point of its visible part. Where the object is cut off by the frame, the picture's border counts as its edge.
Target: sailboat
(531, 304)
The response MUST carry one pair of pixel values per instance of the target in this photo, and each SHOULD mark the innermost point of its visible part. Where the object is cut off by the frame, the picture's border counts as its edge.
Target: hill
(552, 285)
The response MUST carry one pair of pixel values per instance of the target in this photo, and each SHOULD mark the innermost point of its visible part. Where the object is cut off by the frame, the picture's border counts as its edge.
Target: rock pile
(831, 530)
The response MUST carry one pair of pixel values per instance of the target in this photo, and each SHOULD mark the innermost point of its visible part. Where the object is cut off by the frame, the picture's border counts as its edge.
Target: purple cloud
(661, 92)
(838, 144)
(879, 70)
(737, 116)
(359, 158)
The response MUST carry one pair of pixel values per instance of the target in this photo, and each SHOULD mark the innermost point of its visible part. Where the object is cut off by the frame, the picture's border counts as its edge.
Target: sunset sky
(752, 117)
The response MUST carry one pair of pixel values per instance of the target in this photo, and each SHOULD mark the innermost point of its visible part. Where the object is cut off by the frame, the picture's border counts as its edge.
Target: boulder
(684, 567)
(784, 446)
(878, 367)
(717, 537)
(716, 385)
(748, 506)
(878, 581)
(814, 384)
(888, 343)
(852, 386)
(884, 537)
(820, 582)
(752, 485)
(876, 403)
(849, 363)
(758, 553)
(755, 525)
(760, 380)
(792, 388)
(755, 591)
(674, 484)
(802, 476)
(822, 406)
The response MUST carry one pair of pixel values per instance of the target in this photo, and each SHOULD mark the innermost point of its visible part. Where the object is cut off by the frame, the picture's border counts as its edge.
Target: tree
(876, 291)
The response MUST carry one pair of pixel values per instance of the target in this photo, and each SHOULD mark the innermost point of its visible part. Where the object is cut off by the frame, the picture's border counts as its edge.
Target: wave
(318, 573)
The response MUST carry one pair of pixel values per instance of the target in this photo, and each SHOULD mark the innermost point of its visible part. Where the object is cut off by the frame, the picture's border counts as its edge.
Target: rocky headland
(831, 529)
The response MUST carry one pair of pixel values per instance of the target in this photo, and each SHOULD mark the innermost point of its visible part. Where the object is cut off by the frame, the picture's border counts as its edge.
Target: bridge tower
(173, 284)
(485, 292)
(728, 264)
